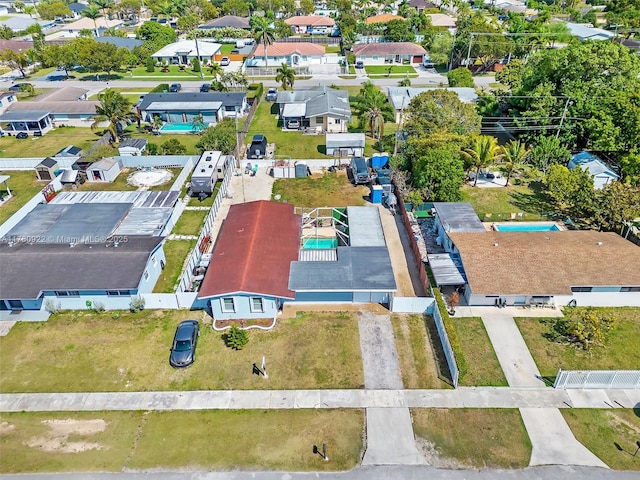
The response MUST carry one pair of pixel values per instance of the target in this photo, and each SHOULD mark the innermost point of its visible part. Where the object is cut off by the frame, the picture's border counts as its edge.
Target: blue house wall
(153, 270)
(243, 306)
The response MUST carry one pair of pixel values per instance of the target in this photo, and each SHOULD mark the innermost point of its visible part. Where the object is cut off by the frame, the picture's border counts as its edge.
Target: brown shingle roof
(388, 48)
(253, 253)
(382, 18)
(311, 21)
(546, 263)
(14, 45)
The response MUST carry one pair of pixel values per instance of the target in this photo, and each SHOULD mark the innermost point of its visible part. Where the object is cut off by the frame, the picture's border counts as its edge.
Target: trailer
(209, 170)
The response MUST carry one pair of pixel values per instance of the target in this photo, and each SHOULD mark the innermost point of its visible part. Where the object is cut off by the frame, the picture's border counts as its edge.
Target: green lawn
(610, 434)
(415, 352)
(49, 144)
(621, 350)
(188, 140)
(327, 190)
(500, 202)
(474, 438)
(483, 367)
(23, 186)
(81, 351)
(396, 71)
(176, 252)
(189, 440)
(190, 222)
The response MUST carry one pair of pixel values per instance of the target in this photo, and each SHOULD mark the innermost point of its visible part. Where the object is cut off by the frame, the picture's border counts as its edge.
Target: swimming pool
(179, 128)
(528, 227)
(320, 243)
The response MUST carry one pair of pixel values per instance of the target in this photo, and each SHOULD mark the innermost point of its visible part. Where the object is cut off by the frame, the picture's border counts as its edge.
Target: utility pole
(395, 148)
(564, 114)
(469, 50)
(195, 37)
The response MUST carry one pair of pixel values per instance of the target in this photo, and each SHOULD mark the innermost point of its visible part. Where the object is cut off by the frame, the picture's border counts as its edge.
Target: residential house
(443, 21)
(263, 259)
(553, 266)
(72, 30)
(18, 24)
(322, 109)
(32, 122)
(121, 42)
(602, 173)
(41, 116)
(382, 18)
(228, 21)
(77, 9)
(64, 94)
(184, 51)
(303, 54)
(133, 147)
(183, 107)
(587, 32)
(389, 52)
(311, 24)
(6, 99)
(400, 97)
(15, 45)
(421, 5)
(91, 249)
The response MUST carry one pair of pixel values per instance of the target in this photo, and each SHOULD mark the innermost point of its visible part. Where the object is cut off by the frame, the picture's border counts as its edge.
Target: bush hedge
(254, 90)
(162, 87)
(463, 368)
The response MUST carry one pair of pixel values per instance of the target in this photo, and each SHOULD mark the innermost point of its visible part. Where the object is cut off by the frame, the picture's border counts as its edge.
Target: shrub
(582, 327)
(151, 65)
(254, 90)
(196, 65)
(98, 307)
(236, 338)
(137, 304)
(152, 149)
(460, 77)
(162, 87)
(51, 306)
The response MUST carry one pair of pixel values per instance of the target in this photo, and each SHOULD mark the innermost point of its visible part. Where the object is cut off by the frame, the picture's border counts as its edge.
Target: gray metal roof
(193, 100)
(232, 21)
(138, 199)
(365, 227)
(357, 269)
(69, 151)
(447, 269)
(26, 116)
(144, 221)
(83, 267)
(104, 164)
(458, 217)
(48, 162)
(138, 143)
(319, 101)
(69, 176)
(128, 43)
(83, 107)
(345, 140)
(52, 223)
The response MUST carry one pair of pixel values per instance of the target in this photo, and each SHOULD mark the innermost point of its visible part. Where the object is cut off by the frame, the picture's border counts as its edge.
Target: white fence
(446, 345)
(597, 379)
(168, 301)
(182, 178)
(30, 163)
(186, 279)
(157, 161)
(411, 304)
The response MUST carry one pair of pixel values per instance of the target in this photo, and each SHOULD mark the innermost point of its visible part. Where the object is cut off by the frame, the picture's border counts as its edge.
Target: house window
(337, 121)
(67, 293)
(319, 120)
(581, 289)
(153, 260)
(228, 305)
(375, 57)
(630, 289)
(146, 275)
(257, 305)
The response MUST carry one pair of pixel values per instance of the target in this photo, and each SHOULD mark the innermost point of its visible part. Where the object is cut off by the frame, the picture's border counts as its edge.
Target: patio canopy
(292, 110)
(447, 269)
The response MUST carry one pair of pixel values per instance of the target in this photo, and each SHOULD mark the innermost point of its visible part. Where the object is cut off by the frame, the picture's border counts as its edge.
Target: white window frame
(253, 307)
(224, 307)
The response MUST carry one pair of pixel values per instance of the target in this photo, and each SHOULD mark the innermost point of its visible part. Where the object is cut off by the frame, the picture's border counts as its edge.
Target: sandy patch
(149, 177)
(432, 455)
(617, 422)
(57, 439)
(6, 428)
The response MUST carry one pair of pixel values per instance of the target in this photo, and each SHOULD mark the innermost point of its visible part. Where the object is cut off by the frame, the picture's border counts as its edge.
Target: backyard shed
(345, 144)
(105, 170)
(46, 169)
(133, 147)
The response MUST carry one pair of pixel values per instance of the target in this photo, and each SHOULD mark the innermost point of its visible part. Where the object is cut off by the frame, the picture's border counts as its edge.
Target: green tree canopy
(460, 77)
(155, 35)
(221, 137)
(439, 173)
(113, 108)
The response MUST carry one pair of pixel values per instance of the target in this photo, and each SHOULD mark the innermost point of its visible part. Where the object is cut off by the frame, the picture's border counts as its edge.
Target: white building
(182, 52)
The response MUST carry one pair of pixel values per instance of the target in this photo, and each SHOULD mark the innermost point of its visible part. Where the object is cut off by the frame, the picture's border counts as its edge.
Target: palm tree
(514, 154)
(103, 5)
(405, 82)
(262, 33)
(113, 108)
(286, 76)
(485, 152)
(216, 70)
(197, 124)
(92, 12)
(372, 107)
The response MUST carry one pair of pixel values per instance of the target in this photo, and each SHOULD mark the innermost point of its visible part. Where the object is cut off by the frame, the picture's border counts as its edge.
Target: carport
(447, 269)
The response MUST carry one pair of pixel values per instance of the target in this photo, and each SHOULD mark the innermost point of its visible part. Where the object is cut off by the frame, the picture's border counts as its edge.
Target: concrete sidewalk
(462, 397)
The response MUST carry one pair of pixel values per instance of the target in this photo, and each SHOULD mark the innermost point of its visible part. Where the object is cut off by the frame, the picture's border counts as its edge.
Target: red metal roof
(254, 250)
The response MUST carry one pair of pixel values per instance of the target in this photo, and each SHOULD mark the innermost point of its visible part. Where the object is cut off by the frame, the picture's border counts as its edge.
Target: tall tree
(114, 108)
(439, 172)
(16, 60)
(373, 109)
(263, 33)
(514, 154)
(484, 153)
(286, 76)
(93, 12)
(440, 111)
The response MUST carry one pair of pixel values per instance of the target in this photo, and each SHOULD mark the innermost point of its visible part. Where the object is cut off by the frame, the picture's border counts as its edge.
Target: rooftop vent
(495, 244)
(599, 244)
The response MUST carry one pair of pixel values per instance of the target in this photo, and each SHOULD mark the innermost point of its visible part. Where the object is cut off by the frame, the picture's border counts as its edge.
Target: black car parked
(175, 87)
(183, 349)
(205, 87)
(258, 147)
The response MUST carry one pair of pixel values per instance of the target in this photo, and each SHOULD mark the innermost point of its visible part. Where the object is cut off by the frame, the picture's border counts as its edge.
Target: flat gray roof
(365, 227)
(83, 267)
(26, 116)
(82, 222)
(345, 139)
(137, 199)
(447, 269)
(458, 217)
(359, 268)
(144, 221)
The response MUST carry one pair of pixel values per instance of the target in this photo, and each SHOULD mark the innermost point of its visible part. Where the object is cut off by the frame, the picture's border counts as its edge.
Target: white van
(240, 43)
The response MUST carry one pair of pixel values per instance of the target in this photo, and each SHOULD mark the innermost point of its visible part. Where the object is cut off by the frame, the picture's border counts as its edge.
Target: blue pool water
(178, 127)
(527, 227)
(320, 243)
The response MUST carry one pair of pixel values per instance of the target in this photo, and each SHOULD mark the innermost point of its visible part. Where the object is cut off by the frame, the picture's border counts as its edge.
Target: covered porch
(35, 123)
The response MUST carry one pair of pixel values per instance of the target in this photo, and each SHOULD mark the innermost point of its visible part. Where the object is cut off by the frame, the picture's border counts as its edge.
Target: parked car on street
(258, 147)
(272, 94)
(185, 340)
(359, 64)
(205, 87)
(175, 87)
(225, 61)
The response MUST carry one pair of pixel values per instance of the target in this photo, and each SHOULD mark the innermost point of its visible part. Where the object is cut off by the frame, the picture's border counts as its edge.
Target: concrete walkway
(390, 439)
(552, 441)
